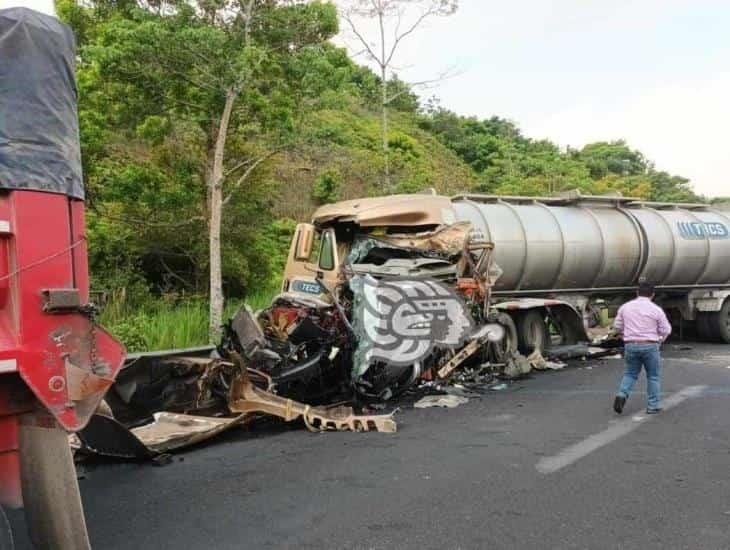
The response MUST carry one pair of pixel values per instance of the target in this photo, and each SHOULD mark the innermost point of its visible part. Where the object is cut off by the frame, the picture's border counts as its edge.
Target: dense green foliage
(506, 162)
(152, 79)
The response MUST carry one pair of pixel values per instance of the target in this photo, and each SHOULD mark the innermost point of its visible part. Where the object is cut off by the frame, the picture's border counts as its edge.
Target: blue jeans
(636, 356)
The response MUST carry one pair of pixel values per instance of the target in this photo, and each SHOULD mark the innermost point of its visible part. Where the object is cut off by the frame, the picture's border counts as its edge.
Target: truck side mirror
(305, 240)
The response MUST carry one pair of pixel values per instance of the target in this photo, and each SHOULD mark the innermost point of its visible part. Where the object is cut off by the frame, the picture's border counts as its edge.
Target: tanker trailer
(56, 363)
(575, 249)
(560, 257)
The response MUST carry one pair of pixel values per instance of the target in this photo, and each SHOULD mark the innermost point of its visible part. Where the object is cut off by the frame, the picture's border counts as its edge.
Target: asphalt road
(543, 464)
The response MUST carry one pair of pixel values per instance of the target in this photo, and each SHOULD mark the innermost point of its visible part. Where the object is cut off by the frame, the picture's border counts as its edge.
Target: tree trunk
(384, 129)
(384, 100)
(215, 192)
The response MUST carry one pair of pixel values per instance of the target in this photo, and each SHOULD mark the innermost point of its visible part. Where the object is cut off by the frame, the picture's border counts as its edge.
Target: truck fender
(710, 302)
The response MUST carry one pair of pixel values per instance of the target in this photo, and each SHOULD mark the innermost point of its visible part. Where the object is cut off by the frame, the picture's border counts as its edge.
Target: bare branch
(248, 172)
(147, 223)
(236, 167)
(399, 38)
(182, 76)
(171, 272)
(399, 20)
(362, 40)
(206, 61)
(445, 75)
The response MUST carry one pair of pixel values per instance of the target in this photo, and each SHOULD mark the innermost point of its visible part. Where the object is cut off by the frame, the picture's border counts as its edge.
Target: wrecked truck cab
(407, 238)
(320, 249)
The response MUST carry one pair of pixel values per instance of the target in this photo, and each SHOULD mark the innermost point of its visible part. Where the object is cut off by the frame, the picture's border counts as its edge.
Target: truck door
(313, 262)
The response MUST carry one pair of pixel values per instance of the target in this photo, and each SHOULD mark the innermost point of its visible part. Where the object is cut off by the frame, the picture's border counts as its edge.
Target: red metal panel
(10, 492)
(66, 361)
(14, 399)
(80, 252)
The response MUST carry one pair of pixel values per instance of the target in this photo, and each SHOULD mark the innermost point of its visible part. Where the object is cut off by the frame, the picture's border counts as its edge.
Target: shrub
(131, 332)
(327, 187)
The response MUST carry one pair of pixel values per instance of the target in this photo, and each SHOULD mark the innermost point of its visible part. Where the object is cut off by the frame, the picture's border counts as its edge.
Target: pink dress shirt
(642, 319)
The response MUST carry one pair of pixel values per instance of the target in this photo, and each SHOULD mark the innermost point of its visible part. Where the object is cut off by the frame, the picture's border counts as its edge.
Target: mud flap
(51, 496)
(6, 535)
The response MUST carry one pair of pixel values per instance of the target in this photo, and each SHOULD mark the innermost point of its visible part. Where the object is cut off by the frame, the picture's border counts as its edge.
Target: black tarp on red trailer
(39, 131)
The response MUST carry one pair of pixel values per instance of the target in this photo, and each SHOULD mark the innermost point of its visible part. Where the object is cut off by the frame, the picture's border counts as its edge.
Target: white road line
(567, 456)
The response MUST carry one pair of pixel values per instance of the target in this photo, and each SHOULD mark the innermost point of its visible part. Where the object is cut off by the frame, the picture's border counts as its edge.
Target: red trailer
(56, 363)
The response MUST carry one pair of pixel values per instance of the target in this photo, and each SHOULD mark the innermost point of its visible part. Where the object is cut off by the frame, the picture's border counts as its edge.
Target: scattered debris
(488, 333)
(446, 401)
(577, 351)
(173, 431)
(538, 362)
(168, 401)
(517, 365)
(682, 347)
(303, 344)
(168, 432)
(247, 398)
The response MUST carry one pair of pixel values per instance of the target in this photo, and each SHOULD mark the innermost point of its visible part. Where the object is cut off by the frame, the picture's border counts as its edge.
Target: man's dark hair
(646, 289)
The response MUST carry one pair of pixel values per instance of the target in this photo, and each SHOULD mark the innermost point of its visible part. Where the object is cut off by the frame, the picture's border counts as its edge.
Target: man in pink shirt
(644, 326)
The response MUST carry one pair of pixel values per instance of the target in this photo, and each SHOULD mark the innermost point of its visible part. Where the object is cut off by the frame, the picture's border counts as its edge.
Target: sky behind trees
(653, 72)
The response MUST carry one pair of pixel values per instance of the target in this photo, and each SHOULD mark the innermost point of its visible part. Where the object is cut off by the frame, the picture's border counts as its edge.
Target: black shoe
(618, 404)
(654, 411)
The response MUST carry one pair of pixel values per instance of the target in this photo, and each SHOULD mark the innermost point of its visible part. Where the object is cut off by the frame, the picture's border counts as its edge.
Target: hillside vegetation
(306, 131)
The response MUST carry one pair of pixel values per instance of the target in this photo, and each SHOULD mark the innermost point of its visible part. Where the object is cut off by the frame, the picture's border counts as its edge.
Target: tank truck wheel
(702, 324)
(719, 323)
(51, 498)
(500, 351)
(532, 332)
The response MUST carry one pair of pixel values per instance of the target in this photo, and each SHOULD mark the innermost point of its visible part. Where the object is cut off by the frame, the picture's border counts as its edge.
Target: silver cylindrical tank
(599, 242)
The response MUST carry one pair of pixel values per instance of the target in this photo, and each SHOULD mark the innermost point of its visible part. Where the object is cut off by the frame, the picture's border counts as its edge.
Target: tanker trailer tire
(501, 351)
(564, 328)
(51, 499)
(532, 332)
(704, 330)
(719, 323)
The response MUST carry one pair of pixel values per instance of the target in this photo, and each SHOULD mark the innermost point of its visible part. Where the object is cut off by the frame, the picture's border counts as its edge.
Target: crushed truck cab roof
(392, 210)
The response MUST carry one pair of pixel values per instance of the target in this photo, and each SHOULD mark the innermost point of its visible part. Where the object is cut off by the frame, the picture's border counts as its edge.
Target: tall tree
(219, 66)
(395, 21)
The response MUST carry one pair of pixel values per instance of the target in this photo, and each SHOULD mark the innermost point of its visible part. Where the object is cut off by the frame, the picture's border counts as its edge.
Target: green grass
(163, 324)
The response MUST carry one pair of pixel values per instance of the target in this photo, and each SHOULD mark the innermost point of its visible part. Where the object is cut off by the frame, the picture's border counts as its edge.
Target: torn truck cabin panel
(171, 431)
(447, 243)
(249, 332)
(394, 210)
(449, 240)
(404, 267)
(158, 381)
